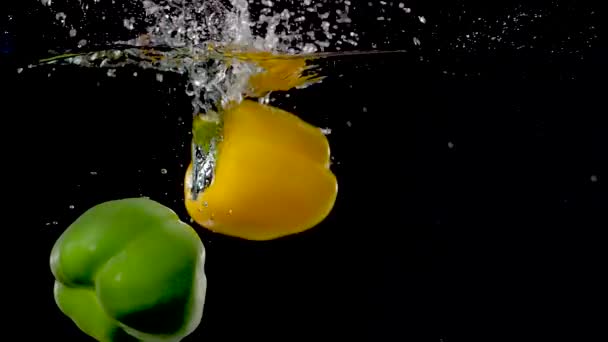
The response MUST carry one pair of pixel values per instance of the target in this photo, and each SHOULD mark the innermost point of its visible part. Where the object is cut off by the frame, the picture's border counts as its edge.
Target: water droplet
(111, 73)
(73, 33)
(422, 19)
(55, 223)
(93, 173)
(326, 131)
(82, 43)
(135, 74)
(450, 145)
(264, 99)
(159, 77)
(349, 124)
(364, 109)
(128, 23)
(594, 178)
(19, 70)
(416, 41)
(71, 206)
(163, 171)
(61, 18)
(230, 212)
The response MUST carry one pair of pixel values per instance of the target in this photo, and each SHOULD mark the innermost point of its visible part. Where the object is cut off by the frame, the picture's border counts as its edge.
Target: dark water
(473, 186)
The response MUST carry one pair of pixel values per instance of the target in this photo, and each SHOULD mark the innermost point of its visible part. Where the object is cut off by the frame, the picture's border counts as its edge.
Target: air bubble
(309, 48)
(163, 171)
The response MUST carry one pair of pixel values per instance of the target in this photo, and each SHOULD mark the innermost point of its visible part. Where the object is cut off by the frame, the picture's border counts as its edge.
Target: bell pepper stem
(207, 132)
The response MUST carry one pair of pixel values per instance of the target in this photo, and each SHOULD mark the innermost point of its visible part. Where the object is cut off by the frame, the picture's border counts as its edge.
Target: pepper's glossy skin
(272, 177)
(130, 270)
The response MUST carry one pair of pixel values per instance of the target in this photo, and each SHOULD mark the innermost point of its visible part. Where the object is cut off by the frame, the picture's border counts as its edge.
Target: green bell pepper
(130, 270)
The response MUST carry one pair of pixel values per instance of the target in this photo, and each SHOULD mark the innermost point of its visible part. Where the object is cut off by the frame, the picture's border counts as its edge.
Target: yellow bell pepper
(271, 178)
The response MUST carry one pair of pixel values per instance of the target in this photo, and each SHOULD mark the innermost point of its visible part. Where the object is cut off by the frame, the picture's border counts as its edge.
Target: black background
(473, 192)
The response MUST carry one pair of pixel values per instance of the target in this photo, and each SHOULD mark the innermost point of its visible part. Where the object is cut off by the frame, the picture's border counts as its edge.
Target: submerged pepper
(271, 178)
(130, 270)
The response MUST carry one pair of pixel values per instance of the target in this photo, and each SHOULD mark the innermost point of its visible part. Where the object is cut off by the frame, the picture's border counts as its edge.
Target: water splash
(192, 23)
(224, 55)
(205, 40)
